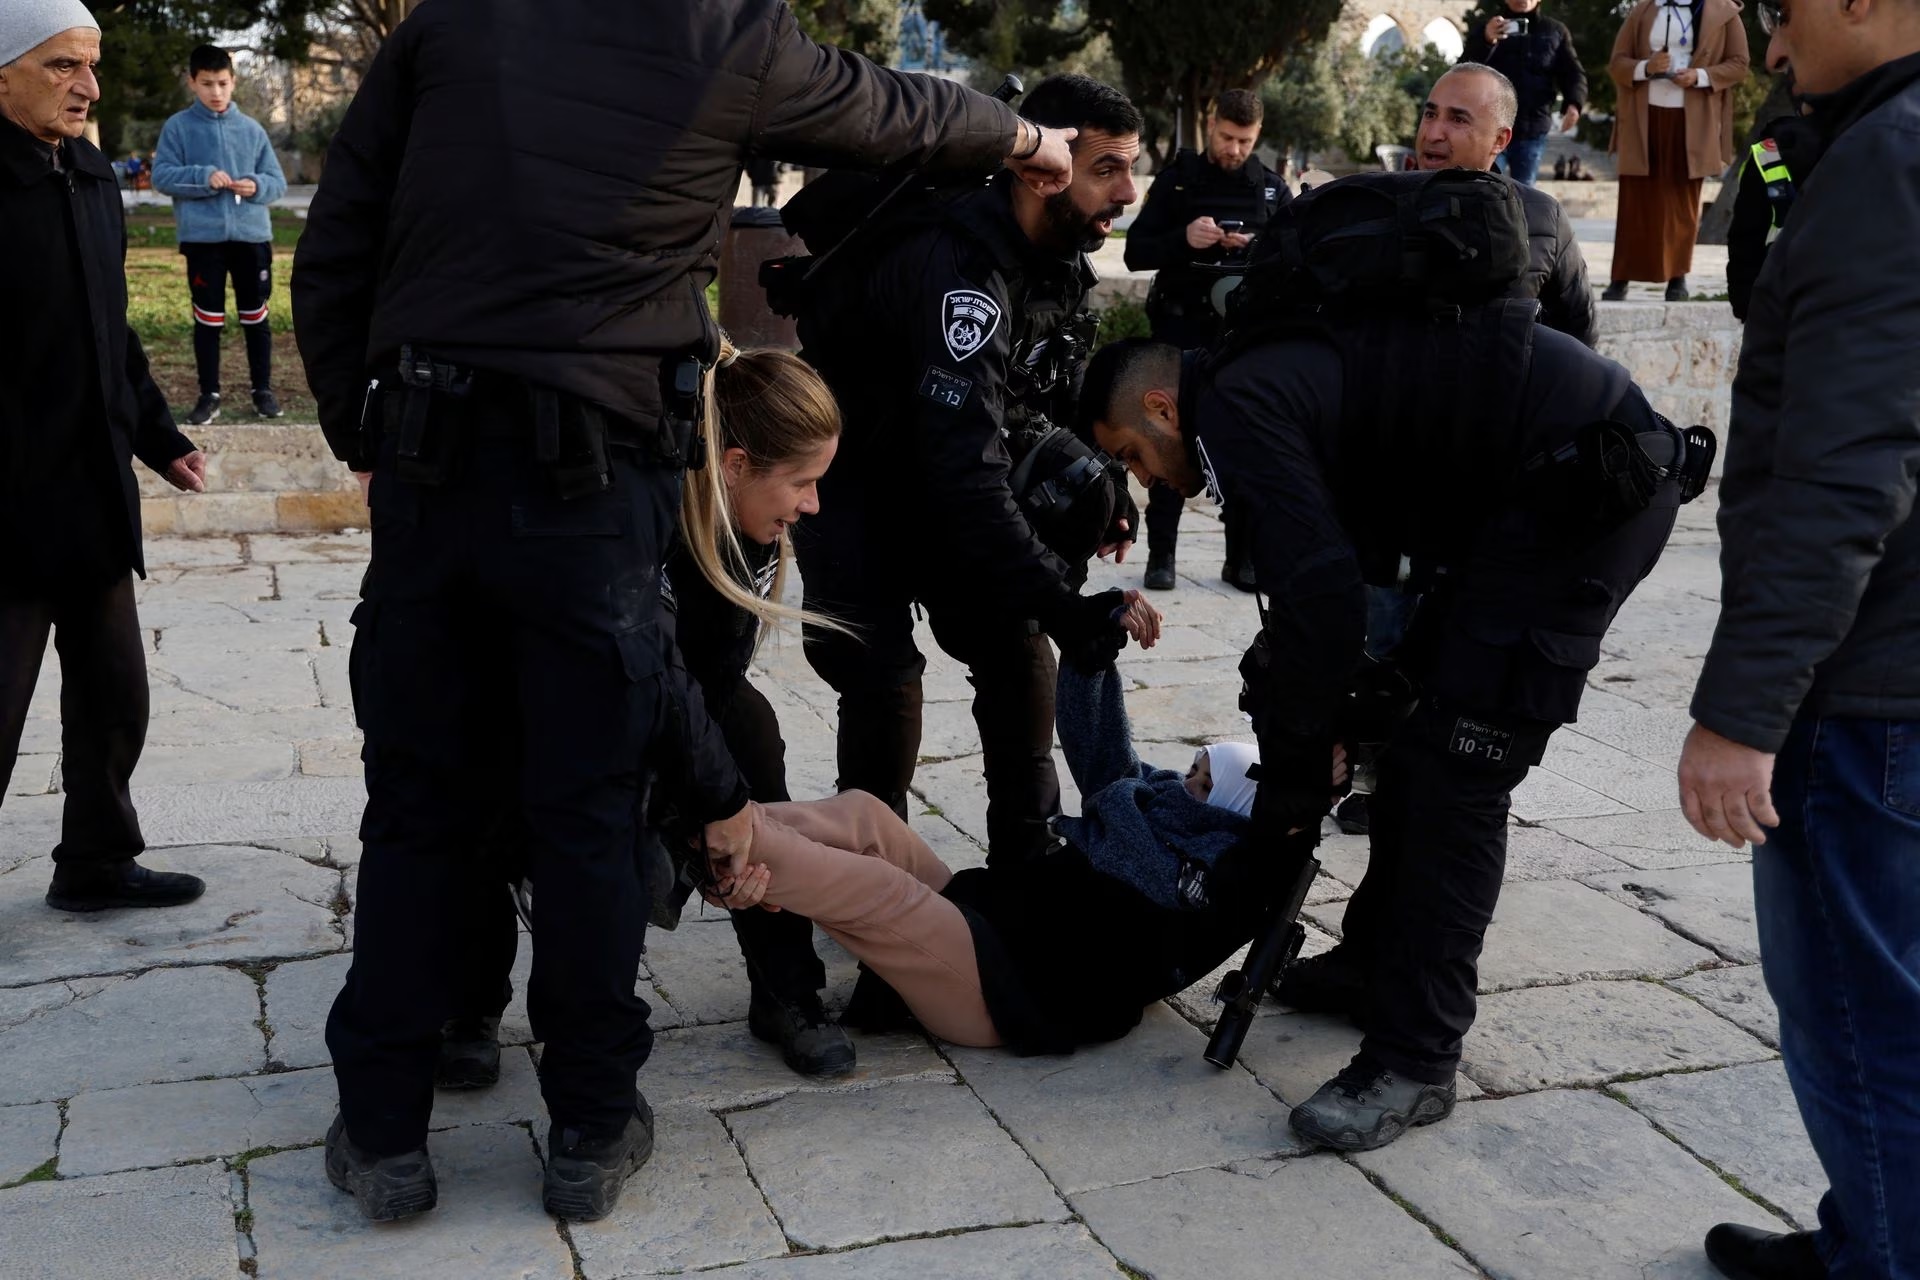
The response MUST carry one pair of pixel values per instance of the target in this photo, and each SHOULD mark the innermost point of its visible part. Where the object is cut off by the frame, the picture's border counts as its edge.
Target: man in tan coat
(1674, 63)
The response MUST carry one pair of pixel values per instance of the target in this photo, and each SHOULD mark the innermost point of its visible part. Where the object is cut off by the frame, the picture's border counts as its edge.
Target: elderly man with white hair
(77, 404)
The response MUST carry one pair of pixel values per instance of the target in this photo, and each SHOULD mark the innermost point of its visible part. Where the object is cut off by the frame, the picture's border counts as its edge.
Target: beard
(1070, 230)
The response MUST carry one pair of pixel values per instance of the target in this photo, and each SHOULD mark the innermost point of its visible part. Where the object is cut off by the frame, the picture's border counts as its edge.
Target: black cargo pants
(1503, 654)
(491, 605)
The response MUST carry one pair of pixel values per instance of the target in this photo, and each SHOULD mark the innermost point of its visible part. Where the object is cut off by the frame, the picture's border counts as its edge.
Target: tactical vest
(1206, 190)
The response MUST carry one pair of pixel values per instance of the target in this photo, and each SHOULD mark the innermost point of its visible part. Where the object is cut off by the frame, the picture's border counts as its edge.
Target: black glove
(1124, 508)
(1295, 792)
(1084, 629)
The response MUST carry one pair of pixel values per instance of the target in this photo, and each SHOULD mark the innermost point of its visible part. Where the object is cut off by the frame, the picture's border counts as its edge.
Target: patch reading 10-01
(1479, 740)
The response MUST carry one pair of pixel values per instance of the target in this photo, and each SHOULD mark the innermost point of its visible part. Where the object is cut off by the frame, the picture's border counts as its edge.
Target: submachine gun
(1379, 699)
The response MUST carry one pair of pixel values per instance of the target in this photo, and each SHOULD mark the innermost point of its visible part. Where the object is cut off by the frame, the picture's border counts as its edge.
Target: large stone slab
(1546, 795)
(238, 635)
(1712, 905)
(319, 579)
(1652, 840)
(193, 1120)
(28, 1136)
(488, 1222)
(1616, 774)
(1047, 1252)
(236, 812)
(907, 1159)
(260, 904)
(1589, 1032)
(300, 994)
(699, 970)
(1237, 1223)
(1293, 1054)
(692, 1205)
(174, 766)
(167, 1024)
(1744, 1120)
(1137, 1108)
(1739, 995)
(226, 584)
(1564, 1185)
(35, 775)
(290, 548)
(724, 1066)
(1551, 931)
(208, 722)
(1651, 733)
(176, 1223)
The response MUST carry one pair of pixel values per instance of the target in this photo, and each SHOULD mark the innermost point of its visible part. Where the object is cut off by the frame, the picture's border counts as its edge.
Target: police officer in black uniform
(1204, 209)
(506, 331)
(963, 325)
(1525, 578)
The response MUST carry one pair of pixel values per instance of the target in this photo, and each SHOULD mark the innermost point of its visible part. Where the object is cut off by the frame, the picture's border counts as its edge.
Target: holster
(569, 442)
(425, 416)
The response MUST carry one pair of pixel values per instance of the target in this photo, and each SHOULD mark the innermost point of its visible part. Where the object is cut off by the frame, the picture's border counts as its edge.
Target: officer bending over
(962, 327)
(1501, 645)
(1202, 210)
(506, 332)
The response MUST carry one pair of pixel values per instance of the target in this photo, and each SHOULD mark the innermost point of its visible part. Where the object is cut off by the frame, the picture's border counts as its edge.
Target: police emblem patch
(968, 318)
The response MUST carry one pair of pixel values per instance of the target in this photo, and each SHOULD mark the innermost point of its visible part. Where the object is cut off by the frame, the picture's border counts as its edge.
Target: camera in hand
(1517, 27)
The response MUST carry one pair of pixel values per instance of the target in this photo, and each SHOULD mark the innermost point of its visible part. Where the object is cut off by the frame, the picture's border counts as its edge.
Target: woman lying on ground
(1148, 891)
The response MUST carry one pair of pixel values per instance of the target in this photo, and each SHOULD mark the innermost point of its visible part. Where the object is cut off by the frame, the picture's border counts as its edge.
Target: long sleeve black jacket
(1820, 556)
(1556, 269)
(562, 225)
(1542, 65)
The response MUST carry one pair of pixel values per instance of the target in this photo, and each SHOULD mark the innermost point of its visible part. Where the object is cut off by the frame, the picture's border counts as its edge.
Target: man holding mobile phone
(1203, 209)
(1536, 53)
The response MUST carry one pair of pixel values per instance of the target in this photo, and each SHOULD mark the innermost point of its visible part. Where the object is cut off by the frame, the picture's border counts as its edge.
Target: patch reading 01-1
(944, 388)
(1478, 740)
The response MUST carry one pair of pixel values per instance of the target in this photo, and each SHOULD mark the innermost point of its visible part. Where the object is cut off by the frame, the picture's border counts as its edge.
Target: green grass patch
(45, 1173)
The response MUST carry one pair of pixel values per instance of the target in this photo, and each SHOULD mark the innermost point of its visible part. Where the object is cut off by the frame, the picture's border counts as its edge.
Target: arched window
(1445, 37)
(1382, 38)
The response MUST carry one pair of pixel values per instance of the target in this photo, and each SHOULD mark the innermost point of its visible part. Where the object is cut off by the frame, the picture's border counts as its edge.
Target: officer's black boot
(1677, 289)
(388, 1187)
(1351, 817)
(1330, 982)
(1615, 292)
(83, 886)
(1159, 570)
(809, 1042)
(1367, 1106)
(1747, 1253)
(585, 1174)
(469, 1054)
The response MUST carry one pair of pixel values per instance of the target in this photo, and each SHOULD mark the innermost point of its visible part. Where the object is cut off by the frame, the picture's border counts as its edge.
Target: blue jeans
(1521, 160)
(1837, 894)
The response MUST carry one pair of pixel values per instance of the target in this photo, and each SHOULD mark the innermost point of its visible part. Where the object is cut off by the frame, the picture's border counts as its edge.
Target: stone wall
(1682, 354)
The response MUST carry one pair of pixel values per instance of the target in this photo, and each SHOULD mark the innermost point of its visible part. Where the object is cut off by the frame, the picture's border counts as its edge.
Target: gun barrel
(1277, 943)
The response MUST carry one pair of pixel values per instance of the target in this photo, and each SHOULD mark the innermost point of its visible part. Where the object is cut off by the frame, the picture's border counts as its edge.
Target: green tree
(868, 27)
(1012, 35)
(1334, 95)
(1179, 57)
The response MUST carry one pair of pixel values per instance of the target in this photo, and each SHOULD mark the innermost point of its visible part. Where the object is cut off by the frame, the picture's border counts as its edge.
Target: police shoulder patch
(946, 389)
(968, 318)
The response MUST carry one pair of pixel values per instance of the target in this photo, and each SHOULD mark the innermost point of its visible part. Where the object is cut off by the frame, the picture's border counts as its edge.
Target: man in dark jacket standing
(507, 332)
(1536, 53)
(76, 405)
(1203, 209)
(1806, 740)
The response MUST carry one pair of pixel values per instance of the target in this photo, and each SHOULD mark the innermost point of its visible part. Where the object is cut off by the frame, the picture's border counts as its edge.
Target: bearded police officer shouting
(963, 324)
(1204, 209)
(1510, 624)
(505, 328)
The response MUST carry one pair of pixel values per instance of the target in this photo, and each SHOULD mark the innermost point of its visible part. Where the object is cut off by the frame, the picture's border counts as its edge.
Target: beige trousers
(855, 869)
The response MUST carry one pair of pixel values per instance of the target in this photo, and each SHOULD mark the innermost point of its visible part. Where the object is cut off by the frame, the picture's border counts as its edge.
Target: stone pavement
(164, 1085)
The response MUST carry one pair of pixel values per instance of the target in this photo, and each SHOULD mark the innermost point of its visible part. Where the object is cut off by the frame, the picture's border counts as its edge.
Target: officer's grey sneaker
(205, 410)
(1367, 1106)
(388, 1187)
(469, 1054)
(809, 1043)
(585, 1175)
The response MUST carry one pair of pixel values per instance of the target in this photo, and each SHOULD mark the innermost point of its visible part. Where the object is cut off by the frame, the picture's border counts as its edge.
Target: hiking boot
(469, 1054)
(1159, 570)
(1351, 817)
(585, 1175)
(388, 1188)
(205, 410)
(1677, 289)
(1327, 983)
(1367, 1106)
(1239, 575)
(1747, 1253)
(264, 403)
(1615, 292)
(100, 886)
(809, 1043)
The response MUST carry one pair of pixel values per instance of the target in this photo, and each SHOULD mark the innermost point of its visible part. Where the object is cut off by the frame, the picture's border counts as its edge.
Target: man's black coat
(1542, 65)
(77, 402)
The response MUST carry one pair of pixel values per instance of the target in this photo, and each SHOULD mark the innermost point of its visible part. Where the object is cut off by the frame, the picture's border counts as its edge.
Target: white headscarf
(28, 24)
(1232, 788)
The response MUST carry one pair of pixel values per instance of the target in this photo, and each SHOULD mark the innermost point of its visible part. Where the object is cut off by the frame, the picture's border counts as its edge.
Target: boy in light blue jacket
(217, 164)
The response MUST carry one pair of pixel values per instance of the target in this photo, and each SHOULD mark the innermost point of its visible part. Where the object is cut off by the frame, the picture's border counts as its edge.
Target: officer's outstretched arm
(336, 269)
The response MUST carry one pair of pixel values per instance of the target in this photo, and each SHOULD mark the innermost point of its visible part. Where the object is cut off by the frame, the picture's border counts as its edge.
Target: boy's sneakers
(264, 404)
(206, 410)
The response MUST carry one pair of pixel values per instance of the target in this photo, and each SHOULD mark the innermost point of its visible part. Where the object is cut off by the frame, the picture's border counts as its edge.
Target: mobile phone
(1517, 26)
(1232, 226)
